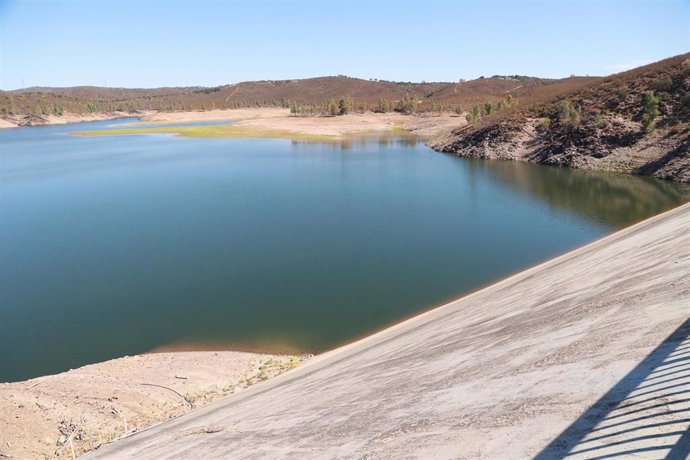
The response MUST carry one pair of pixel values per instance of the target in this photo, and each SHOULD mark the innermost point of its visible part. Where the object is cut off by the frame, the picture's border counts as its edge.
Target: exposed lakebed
(118, 245)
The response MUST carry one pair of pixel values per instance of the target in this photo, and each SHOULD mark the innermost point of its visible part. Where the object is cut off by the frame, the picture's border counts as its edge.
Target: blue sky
(150, 43)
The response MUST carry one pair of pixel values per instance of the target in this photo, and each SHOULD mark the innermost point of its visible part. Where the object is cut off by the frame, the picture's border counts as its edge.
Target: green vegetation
(408, 104)
(331, 108)
(476, 113)
(345, 105)
(488, 108)
(650, 110)
(662, 84)
(210, 131)
(328, 107)
(569, 114)
(384, 106)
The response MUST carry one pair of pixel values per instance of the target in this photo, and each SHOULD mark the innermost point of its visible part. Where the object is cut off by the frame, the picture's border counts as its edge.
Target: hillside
(32, 105)
(634, 122)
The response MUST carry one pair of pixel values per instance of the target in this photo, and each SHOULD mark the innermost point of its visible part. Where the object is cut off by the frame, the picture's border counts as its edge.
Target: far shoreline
(259, 123)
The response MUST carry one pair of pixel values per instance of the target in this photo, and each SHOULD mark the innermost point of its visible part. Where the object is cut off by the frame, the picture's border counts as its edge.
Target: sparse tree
(345, 105)
(650, 110)
(568, 114)
(476, 113)
(408, 104)
(384, 105)
(332, 108)
(488, 108)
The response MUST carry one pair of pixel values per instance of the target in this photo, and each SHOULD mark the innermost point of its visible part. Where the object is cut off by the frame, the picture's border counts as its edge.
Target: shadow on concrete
(647, 413)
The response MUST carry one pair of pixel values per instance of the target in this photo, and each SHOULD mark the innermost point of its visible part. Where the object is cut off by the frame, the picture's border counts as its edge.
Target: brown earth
(604, 131)
(39, 102)
(98, 403)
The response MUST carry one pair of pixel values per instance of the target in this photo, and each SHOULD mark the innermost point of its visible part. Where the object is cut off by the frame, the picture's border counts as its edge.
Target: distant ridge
(42, 101)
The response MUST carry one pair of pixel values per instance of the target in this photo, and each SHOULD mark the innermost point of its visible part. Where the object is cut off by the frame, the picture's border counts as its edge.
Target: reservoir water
(113, 246)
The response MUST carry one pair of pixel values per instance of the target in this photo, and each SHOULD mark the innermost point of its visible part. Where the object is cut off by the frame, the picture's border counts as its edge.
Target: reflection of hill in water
(614, 200)
(362, 140)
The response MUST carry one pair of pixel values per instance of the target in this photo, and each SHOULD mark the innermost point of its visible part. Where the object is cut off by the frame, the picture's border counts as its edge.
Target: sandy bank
(579, 354)
(7, 124)
(214, 115)
(280, 119)
(273, 122)
(101, 402)
(260, 122)
(352, 124)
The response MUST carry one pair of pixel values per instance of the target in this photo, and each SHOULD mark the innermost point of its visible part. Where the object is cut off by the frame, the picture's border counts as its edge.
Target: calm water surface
(112, 246)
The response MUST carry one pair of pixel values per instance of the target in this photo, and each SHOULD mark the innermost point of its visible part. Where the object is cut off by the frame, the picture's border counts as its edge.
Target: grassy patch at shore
(210, 131)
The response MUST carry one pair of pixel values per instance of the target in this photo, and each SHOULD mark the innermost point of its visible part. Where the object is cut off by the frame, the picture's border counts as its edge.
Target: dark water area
(113, 246)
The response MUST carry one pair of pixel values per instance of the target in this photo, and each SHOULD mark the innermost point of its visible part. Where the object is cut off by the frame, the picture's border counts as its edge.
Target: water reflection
(614, 200)
(382, 140)
(143, 241)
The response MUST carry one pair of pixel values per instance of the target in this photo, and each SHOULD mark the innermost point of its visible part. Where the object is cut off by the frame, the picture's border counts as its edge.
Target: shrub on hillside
(546, 124)
(650, 110)
(568, 113)
(686, 100)
(662, 84)
(476, 113)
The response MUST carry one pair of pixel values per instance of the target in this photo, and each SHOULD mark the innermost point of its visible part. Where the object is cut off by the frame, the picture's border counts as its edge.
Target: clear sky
(150, 43)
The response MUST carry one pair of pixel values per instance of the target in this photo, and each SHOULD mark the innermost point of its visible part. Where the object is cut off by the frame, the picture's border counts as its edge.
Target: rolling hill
(634, 122)
(37, 102)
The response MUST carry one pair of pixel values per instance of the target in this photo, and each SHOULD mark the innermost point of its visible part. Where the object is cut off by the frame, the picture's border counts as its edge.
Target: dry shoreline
(101, 402)
(267, 122)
